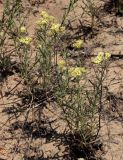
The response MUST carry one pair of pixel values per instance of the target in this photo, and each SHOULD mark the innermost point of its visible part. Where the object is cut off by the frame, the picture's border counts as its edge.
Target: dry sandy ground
(14, 143)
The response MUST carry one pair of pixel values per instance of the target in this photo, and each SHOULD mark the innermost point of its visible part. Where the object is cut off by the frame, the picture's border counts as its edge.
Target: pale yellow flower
(101, 57)
(107, 55)
(62, 64)
(56, 27)
(42, 22)
(25, 40)
(44, 14)
(76, 71)
(23, 29)
(45, 21)
(51, 18)
(78, 44)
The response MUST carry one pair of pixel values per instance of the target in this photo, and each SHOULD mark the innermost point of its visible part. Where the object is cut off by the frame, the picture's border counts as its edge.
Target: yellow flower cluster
(78, 44)
(45, 15)
(76, 71)
(23, 29)
(72, 71)
(42, 22)
(101, 57)
(25, 40)
(47, 20)
(62, 64)
(57, 28)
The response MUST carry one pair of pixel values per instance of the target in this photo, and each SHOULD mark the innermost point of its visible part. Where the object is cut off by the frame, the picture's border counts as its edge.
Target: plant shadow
(38, 127)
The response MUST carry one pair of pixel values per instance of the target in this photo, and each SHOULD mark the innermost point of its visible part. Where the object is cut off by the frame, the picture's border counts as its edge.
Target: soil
(24, 138)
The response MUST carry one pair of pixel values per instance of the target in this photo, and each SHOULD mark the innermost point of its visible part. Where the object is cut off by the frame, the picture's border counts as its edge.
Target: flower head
(76, 71)
(44, 14)
(42, 22)
(62, 64)
(101, 57)
(25, 40)
(107, 55)
(56, 27)
(78, 44)
(45, 19)
(23, 29)
(51, 18)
